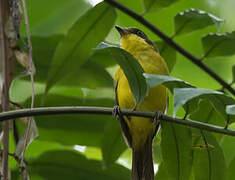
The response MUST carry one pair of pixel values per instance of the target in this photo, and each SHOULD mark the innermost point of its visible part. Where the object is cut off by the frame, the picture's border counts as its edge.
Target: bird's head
(132, 38)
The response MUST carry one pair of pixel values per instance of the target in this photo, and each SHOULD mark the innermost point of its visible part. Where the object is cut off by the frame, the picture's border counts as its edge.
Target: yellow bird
(139, 132)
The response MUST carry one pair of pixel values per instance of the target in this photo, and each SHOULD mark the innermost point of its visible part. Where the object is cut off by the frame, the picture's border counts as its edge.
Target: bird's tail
(142, 162)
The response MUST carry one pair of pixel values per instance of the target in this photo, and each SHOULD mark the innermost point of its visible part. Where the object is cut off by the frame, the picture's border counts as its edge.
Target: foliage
(72, 69)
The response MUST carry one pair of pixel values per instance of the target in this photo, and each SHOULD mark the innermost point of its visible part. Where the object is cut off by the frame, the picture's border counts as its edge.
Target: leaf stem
(169, 41)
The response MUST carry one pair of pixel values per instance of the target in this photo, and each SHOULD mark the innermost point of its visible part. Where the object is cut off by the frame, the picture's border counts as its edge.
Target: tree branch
(4, 15)
(169, 41)
(108, 111)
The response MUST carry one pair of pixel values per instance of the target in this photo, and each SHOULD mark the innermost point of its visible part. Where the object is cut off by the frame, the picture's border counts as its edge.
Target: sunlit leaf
(230, 109)
(132, 70)
(75, 48)
(155, 5)
(215, 44)
(192, 19)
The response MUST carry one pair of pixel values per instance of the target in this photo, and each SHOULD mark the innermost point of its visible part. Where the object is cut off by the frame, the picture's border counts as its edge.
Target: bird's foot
(117, 112)
(157, 117)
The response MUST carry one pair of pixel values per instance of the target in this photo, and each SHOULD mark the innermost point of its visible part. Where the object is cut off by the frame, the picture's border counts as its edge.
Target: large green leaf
(71, 129)
(56, 17)
(71, 165)
(228, 145)
(215, 44)
(209, 163)
(190, 97)
(176, 148)
(155, 5)
(168, 53)
(168, 81)
(230, 172)
(77, 45)
(112, 143)
(192, 19)
(131, 68)
(162, 173)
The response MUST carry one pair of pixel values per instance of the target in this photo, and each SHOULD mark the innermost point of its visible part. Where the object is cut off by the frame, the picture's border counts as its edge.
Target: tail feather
(142, 162)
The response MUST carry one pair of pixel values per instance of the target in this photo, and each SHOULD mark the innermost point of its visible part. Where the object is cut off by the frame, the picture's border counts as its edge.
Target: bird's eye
(140, 33)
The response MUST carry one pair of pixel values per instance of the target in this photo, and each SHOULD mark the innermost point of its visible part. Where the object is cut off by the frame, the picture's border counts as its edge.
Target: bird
(139, 132)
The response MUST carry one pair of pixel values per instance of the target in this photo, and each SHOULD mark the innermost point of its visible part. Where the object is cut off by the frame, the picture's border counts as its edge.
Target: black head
(136, 31)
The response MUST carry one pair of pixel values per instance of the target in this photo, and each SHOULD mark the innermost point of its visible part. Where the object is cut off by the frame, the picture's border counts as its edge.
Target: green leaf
(72, 165)
(131, 68)
(162, 173)
(155, 5)
(56, 17)
(228, 145)
(192, 19)
(168, 53)
(230, 172)
(168, 81)
(189, 97)
(77, 45)
(233, 72)
(176, 148)
(215, 45)
(71, 129)
(113, 144)
(230, 109)
(209, 164)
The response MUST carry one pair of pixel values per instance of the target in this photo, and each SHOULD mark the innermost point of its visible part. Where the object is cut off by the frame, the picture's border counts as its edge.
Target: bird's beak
(122, 31)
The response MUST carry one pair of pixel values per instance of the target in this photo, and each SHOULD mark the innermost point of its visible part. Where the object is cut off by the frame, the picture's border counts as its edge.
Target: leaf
(230, 109)
(71, 129)
(54, 18)
(162, 173)
(176, 148)
(209, 164)
(31, 135)
(77, 45)
(190, 97)
(192, 19)
(112, 143)
(168, 81)
(231, 174)
(233, 72)
(71, 165)
(132, 70)
(215, 44)
(168, 53)
(228, 145)
(155, 5)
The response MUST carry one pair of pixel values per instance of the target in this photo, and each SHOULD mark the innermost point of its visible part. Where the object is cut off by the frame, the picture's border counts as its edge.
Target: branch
(170, 42)
(5, 60)
(108, 111)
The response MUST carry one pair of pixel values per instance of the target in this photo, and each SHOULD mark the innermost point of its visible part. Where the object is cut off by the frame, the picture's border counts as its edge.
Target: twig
(171, 43)
(108, 111)
(4, 15)
(31, 69)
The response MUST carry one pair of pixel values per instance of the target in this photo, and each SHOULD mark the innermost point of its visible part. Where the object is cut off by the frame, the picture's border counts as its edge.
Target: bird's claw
(157, 117)
(116, 112)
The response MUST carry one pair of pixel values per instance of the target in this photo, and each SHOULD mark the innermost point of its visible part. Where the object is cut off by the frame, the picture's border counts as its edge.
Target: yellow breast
(152, 63)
